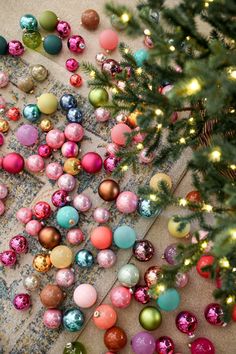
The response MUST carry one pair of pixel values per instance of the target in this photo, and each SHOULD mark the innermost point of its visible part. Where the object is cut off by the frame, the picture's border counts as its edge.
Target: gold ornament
(132, 118)
(72, 166)
(160, 177)
(26, 84)
(4, 126)
(46, 125)
(42, 262)
(39, 72)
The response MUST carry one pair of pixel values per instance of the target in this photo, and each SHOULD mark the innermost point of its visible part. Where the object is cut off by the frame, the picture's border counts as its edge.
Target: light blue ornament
(67, 217)
(124, 237)
(74, 115)
(73, 320)
(31, 112)
(29, 23)
(140, 56)
(169, 300)
(84, 258)
(147, 209)
(128, 275)
(68, 101)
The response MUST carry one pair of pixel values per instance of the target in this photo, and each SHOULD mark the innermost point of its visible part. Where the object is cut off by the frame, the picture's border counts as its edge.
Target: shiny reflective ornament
(74, 132)
(124, 236)
(101, 237)
(121, 118)
(8, 258)
(61, 257)
(85, 295)
(63, 28)
(165, 345)
(154, 15)
(47, 103)
(90, 19)
(84, 258)
(76, 44)
(32, 39)
(143, 250)
(1, 139)
(75, 236)
(42, 210)
(55, 138)
(119, 134)
(140, 56)
(3, 191)
(143, 343)
(120, 297)
(117, 23)
(28, 23)
(31, 112)
(4, 79)
(46, 125)
(72, 64)
(4, 126)
(152, 275)
(106, 258)
(74, 348)
(100, 58)
(171, 253)
(60, 198)
(115, 338)
(82, 202)
(39, 72)
(73, 319)
(31, 282)
(108, 39)
(13, 163)
(111, 67)
(54, 171)
(35, 163)
(102, 115)
(178, 229)
(33, 227)
(98, 97)
(76, 80)
(147, 208)
(3, 46)
(110, 164)
(181, 280)
(66, 182)
(128, 275)
(51, 296)
(150, 318)
(19, 244)
(91, 162)
(68, 101)
(74, 115)
(160, 177)
(104, 317)
(148, 42)
(214, 314)
(168, 300)
(72, 166)
(15, 48)
(141, 294)
(127, 202)
(49, 237)
(101, 215)
(69, 149)
(48, 20)
(186, 322)
(108, 190)
(65, 277)
(22, 302)
(202, 345)
(25, 84)
(52, 318)
(44, 151)
(42, 262)
(205, 261)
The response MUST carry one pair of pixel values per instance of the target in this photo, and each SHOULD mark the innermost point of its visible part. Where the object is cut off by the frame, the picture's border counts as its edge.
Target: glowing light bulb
(139, 71)
(158, 112)
(192, 131)
(215, 156)
(182, 141)
(159, 126)
(153, 197)
(147, 32)
(193, 87)
(233, 167)
(126, 50)
(139, 146)
(125, 17)
(160, 288)
(92, 74)
(207, 207)
(224, 263)
(124, 168)
(204, 245)
(187, 262)
(230, 299)
(183, 202)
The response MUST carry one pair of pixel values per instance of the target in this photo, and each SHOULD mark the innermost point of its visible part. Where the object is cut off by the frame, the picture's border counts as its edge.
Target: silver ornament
(31, 282)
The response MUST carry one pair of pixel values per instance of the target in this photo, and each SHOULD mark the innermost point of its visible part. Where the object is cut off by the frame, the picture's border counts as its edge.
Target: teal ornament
(32, 39)
(28, 23)
(147, 209)
(3, 45)
(31, 112)
(74, 348)
(124, 237)
(52, 44)
(140, 56)
(169, 300)
(84, 258)
(128, 275)
(73, 320)
(67, 217)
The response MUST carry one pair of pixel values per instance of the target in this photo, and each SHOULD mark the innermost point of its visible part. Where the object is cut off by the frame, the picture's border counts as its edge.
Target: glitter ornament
(111, 67)
(120, 297)
(186, 322)
(143, 343)
(119, 134)
(42, 210)
(168, 300)
(108, 39)
(39, 72)
(61, 257)
(171, 253)
(46, 125)
(32, 39)
(143, 250)
(76, 80)
(101, 215)
(90, 19)
(72, 166)
(66, 182)
(106, 258)
(91, 162)
(33, 227)
(54, 170)
(100, 58)
(73, 320)
(128, 275)
(3, 46)
(52, 318)
(204, 261)
(214, 314)
(108, 190)
(124, 236)
(51, 296)
(74, 115)
(27, 135)
(98, 97)
(3, 191)
(48, 20)
(42, 262)
(24, 215)
(13, 113)
(63, 28)
(68, 101)
(74, 348)
(47, 103)
(44, 151)
(75, 236)
(35, 163)
(110, 164)
(115, 338)
(140, 56)
(65, 277)
(72, 64)
(127, 202)
(15, 48)
(49, 237)
(19, 244)
(101, 237)
(152, 275)
(4, 126)
(178, 229)
(13, 163)
(85, 296)
(165, 345)
(84, 258)
(31, 282)
(60, 198)
(147, 209)
(4, 79)
(55, 138)
(181, 280)
(141, 294)
(2, 208)
(76, 44)
(28, 22)
(102, 115)
(82, 202)
(104, 317)
(8, 258)
(74, 132)
(202, 346)
(150, 318)
(67, 217)
(160, 177)
(22, 302)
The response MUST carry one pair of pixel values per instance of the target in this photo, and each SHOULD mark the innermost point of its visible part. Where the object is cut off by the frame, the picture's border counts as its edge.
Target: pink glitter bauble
(8, 258)
(55, 138)
(27, 134)
(33, 227)
(76, 44)
(202, 346)
(65, 277)
(19, 244)
(66, 182)
(164, 345)
(141, 294)
(60, 198)
(42, 210)
(63, 28)
(186, 322)
(74, 132)
(24, 215)
(181, 280)
(4, 79)
(15, 48)
(35, 163)
(91, 162)
(45, 151)
(72, 64)
(146, 158)
(3, 191)
(171, 253)
(52, 318)
(22, 302)
(214, 314)
(108, 39)
(120, 297)
(112, 149)
(1, 139)
(75, 236)
(119, 134)
(2, 208)
(111, 163)
(106, 258)
(102, 114)
(101, 215)
(54, 170)
(13, 163)
(69, 149)
(82, 202)
(127, 202)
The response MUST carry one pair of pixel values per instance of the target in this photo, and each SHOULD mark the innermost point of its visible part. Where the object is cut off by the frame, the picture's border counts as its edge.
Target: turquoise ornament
(52, 44)
(169, 300)
(147, 209)
(84, 258)
(124, 237)
(31, 112)
(28, 23)
(3, 46)
(67, 217)
(74, 348)
(140, 56)
(32, 39)
(73, 320)
(128, 275)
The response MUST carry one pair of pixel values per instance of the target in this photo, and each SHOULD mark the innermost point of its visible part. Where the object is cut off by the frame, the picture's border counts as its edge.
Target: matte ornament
(119, 134)
(186, 322)
(68, 101)
(33, 227)
(98, 97)
(74, 115)
(49, 237)
(74, 348)
(108, 39)
(47, 103)
(25, 84)
(15, 48)
(52, 318)
(127, 202)
(202, 346)
(8, 258)
(203, 262)
(115, 338)
(27, 135)
(31, 282)
(19, 244)
(72, 64)
(61, 257)
(3, 46)
(91, 162)
(29, 23)
(90, 19)
(147, 209)
(67, 217)
(51, 296)
(169, 300)
(22, 302)
(152, 275)
(141, 294)
(63, 28)
(140, 56)
(42, 210)
(124, 237)
(143, 343)
(143, 250)
(76, 80)
(178, 229)
(101, 237)
(84, 258)
(52, 44)
(32, 39)
(128, 275)
(76, 44)
(120, 297)
(48, 20)
(108, 190)
(42, 262)
(13, 163)
(31, 112)
(104, 316)
(214, 314)
(73, 320)
(165, 345)
(39, 72)
(150, 318)
(85, 295)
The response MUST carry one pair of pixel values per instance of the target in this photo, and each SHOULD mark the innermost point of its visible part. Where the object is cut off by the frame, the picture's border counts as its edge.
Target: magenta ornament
(4, 79)
(24, 215)
(214, 314)
(19, 244)
(120, 297)
(66, 182)
(82, 202)
(52, 318)
(141, 294)
(75, 236)
(106, 258)
(127, 202)
(170, 254)
(112, 149)
(35, 163)
(3, 191)
(143, 250)
(8, 258)
(65, 277)
(69, 149)
(202, 346)
(15, 48)
(91, 162)
(1, 139)
(186, 322)
(76, 44)
(54, 170)
(72, 64)
(63, 28)
(111, 163)
(27, 134)
(101, 215)
(60, 198)
(55, 138)
(44, 151)
(102, 115)
(164, 345)
(22, 302)
(143, 343)
(181, 280)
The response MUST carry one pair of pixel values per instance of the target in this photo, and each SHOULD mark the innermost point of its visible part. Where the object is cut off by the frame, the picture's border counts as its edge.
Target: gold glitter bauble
(72, 166)
(26, 84)
(46, 125)
(39, 72)
(42, 262)
(4, 125)
(160, 177)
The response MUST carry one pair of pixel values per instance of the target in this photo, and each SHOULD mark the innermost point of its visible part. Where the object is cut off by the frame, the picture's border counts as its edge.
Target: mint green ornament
(67, 217)
(74, 348)
(28, 23)
(169, 300)
(128, 275)
(48, 20)
(32, 39)
(52, 44)
(124, 237)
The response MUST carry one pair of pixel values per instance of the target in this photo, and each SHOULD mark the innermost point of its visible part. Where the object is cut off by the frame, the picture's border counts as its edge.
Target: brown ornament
(26, 84)
(90, 19)
(108, 190)
(49, 237)
(115, 338)
(42, 262)
(51, 296)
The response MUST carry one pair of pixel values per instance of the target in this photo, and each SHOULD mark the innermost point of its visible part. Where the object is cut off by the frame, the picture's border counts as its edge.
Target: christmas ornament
(141, 294)
(108, 39)
(91, 162)
(35, 163)
(68, 101)
(4, 126)
(15, 48)
(128, 275)
(194, 197)
(48, 20)
(148, 42)
(150, 318)
(8, 258)
(101, 237)
(66, 182)
(160, 177)
(152, 275)
(42, 262)
(3, 46)
(65, 277)
(214, 314)
(186, 322)
(32, 39)
(121, 118)
(4, 79)
(74, 348)
(84, 258)
(181, 280)
(13, 163)
(28, 23)
(102, 114)
(104, 316)
(75, 236)
(165, 345)
(72, 64)
(2, 208)
(61, 256)
(74, 132)
(106, 258)
(42, 210)
(143, 250)
(124, 236)
(44, 151)
(69, 149)
(22, 302)
(115, 338)
(171, 253)
(147, 209)
(3, 191)
(178, 229)
(76, 80)
(119, 134)
(31, 112)
(204, 261)
(73, 319)
(72, 166)
(82, 202)
(101, 215)
(47, 103)
(31, 282)
(168, 300)
(143, 343)
(140, 56)
(54, 170)
(118, 23)
(39, 72)
(110, 164)
(55, 138)
(46, 125)
(120, 297)
(49, 237)
(52, 318)
(19, 244)
(63, 28)
(202, 346)
(25, 84)
(108, 190)
(85, 295)
(90, 19)
(111, 67)
(33, 227)
(127, 202)
(76, 44)
(1, 139)
(74, 115)
(234, 313)
(100, 58)
(51, 296)
(98, 97)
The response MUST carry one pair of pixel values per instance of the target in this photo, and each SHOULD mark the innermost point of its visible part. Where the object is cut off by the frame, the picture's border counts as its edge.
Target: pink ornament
(75, 236)
(15, 48)
(19, 244)
(2, 208)
(202, 236)
(82, 202)
(102, 114)
(139, 138)
(33, 227)
(1, 162)
(111, 163)
(106, 258)
(74, 132)
(54, 170)
(69, 149)
(13, 163)
(76, 44)
(55, 138)
(27, 134)
(24, 215)
(202, 346)
(35, 163)
(120, 297)
(63, 28)
(3, 191)
(186, 322)
(52, 318)
(72, 64)
(91, 162)
(1, 139)
(22, 302)
(146, 158)
(127, 202)
(60, 198)
(85, 295)
(164, 345)
(42, 210)
(214, 314)
(181, 280)
(119, 133)
(44, 151)
(141, 294)
(65, 277)
(112, 149)
(4, 79)
(166, 89)
(8, 258)
(101, 215)
(2, 104)
(108, 39)
(66, 182)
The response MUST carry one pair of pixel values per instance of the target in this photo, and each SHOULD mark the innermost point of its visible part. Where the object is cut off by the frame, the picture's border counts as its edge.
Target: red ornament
(214, 314)
(91, 162)
(42, 210)
(13, 113)
(194, 197)
(202, 346)
(115, 339)
(13, 163)
(165, 345)
(186, 322)
(234, 313)
(203, 262)
(76, 80)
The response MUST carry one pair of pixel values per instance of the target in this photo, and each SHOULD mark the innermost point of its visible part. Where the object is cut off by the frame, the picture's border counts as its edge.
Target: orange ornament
(104, 317)
(101, 237)
(76, 80)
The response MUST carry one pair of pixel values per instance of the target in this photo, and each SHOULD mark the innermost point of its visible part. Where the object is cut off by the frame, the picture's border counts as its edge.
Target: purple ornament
(106, 258)
(143, 250)
(60, 198)
(65, 277)
(72, 64)
(141, 294)
(1, 139)
(19, 244)
(8, 258)
(76, 44)
(164, 345)
(170, 254)
(63, 28)
(143, 343)
(102, 114)
(66, 182)
(27, 134)
(110, 164)
(186, 322)
(101, 215)
(22, 302)
(15, 48)
(181, 280)
(214, 314)
(52, 318)
(45, 151)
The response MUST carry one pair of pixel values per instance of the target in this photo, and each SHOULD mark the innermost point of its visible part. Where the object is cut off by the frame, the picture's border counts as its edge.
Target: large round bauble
(42, 262)
(108, 39)
(178, 229)
(76, 44)
(32, 39)
(67, 217)
(147, 209)
(73, 319)
(85, 295)
(31, 282)
(202, 346)
(98, 97)
(214, 314)
(204, 261)
(25, 84)
(104, 316)
(169, 300)
(186, 322)
(84, 258)
(22, 302)
(61, 256)
(60, 198)
(119, 134)
(3, 46)
(74, 115)
(120, 297)
(31, 112)
(13, 163)
(150, 318)
(68, 101)
(157, 179)
(143, 250)
(90, 19)
(75, 236)
(65, 277)
(165, 345)
(66, 182)
(128, 275)
(54, 171)
(143, 343)
(127, 202)
(39, 72)
(52, 318)
(101, 237)
(108, 190)
(124, 236)
(33, 227)
(49, 237)
(47, 103)
(111, 66)
(48, 20)
(106, 258)
(51, 296)
(52, 44)
(91, 162)
(28, 22)
(115, 338)
(152, 275)
(74, 348)
(27, 134)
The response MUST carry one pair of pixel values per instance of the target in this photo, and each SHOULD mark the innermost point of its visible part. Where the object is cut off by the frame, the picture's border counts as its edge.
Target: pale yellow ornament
(47, 103)
(61, 256)
(157, 178)
(174, 226)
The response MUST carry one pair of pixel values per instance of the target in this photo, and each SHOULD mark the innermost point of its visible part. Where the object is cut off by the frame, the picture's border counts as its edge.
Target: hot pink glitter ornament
(35, 163)
(74, 132)
(13, 163)
(127, 202)
(24, 215)
(143, 250)
(42, 210)
(1, 139)
(3, 191)
(106, 258)
(22, 302)
(60, 198)
(55, 138)
(2, 208)
(72, 64)
(44, 151)
(15, 48)
(63, 28)
(54, 170)
(141, 294)
(120, 297)
(75, 236)
(66, 182)
(8, 258)
(69, 149)
(119, 134)
(102, 114)
(112, 149)
(82, 202)
(214, 314)
(101, 215)
(52, 318)
(164, 345)
(108, 39)
(181, 280)
(4, 79)
(33, 227)
(91, 162)
(111, 163)
(186, 322)
(27, 134)
(19, 244)
(202, 346)
(65, 277)
(146, 158)
(76, 44)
